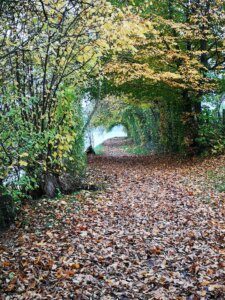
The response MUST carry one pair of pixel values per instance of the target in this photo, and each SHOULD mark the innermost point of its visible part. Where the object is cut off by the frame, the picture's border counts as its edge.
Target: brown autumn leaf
(156, 233)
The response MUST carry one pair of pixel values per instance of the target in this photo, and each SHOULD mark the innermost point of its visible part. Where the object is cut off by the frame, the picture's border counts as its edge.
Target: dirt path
(114, 147)
(146, 236)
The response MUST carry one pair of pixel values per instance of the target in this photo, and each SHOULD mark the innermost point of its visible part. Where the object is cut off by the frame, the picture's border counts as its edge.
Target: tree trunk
(50, 185)
(191, 111)
(7, 210)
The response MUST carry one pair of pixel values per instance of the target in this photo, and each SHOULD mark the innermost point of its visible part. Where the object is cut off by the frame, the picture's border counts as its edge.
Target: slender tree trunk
(50, 185)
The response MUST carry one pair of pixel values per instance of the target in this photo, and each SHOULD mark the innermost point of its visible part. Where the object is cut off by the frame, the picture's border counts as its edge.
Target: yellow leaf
(23, 163)
(24, 154)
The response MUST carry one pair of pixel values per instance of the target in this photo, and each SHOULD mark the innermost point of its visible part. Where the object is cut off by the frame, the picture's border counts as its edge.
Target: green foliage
(137, 150)
(141, 125)
(29, 152)
(99, 150)
(46, 53)
(172, 125)
(211, 132)
(217, 179)
(153, 78)
(174, 67)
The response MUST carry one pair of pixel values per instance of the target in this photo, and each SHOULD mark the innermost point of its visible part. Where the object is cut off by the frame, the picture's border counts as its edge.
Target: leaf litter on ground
(155, 232)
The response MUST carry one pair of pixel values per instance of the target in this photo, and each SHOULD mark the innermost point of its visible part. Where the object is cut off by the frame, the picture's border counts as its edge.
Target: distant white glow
(99, 135)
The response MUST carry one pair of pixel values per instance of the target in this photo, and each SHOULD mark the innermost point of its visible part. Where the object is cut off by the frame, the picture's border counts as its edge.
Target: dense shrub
(211, 132)
(33, 149)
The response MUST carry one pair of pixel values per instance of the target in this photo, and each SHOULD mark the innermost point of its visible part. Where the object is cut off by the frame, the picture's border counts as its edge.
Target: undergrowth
(136, 149)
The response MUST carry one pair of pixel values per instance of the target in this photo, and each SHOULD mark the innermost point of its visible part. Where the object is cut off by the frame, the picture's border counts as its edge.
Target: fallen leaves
(149, 235)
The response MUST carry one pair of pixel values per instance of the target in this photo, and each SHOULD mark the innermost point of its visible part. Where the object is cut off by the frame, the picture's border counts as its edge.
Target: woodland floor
(155, 230)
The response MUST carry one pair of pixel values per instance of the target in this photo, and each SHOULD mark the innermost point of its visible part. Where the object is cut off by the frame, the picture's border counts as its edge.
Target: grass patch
(217, 179)
(99, 150)
(137, 150)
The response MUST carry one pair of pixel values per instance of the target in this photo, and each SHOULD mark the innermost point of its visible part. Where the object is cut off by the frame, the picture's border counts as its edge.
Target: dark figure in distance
(90, 150)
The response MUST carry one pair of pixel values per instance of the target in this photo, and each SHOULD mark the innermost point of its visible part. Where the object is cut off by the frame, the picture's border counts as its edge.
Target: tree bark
(7, 209)
(50, 185)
